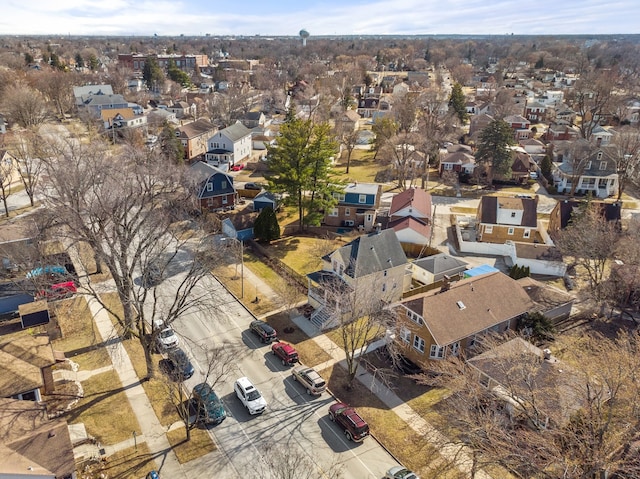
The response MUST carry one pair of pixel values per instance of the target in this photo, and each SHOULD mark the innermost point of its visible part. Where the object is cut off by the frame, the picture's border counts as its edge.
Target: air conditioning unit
(349, 223)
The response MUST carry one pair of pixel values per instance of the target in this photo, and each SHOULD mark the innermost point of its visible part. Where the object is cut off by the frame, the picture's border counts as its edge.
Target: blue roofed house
(230, 146)
(357, 206)
(371, 267)
(215, 190)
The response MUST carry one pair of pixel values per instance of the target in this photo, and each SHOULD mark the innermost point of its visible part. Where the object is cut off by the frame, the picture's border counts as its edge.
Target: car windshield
(166, 333)
(253, 395)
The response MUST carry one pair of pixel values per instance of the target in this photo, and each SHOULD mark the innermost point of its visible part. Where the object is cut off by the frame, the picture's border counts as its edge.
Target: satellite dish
(304, 35)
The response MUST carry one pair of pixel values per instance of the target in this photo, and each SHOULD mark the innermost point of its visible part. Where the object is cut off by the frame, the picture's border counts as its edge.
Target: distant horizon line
(335, 35)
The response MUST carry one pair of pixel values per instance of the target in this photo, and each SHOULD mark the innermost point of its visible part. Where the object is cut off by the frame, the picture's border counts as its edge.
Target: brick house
(357, 206)
(502, 218)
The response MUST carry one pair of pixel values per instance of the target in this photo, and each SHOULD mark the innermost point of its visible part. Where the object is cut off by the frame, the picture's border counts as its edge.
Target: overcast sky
(326, 17)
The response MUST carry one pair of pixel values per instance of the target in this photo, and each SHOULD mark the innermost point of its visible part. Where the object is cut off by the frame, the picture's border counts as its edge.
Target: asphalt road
(297, 424)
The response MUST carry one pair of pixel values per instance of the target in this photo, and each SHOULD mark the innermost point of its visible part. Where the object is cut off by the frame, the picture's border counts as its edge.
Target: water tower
(304, 35)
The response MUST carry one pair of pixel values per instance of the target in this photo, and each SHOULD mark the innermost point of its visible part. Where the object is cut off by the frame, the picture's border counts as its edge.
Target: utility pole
(241, 269)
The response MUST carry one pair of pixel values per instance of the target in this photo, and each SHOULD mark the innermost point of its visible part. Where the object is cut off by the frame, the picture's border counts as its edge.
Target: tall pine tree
(493, 149)
(458, 102)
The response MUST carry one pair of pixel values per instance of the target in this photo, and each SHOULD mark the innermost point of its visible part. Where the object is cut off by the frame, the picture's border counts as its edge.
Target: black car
(178, 364)
(252, 186)
(265, 332)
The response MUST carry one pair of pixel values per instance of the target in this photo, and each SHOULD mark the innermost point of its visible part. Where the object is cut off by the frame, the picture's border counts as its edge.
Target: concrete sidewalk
(455, 454)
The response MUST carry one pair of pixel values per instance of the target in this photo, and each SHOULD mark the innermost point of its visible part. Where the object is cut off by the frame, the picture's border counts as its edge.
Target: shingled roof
(372, 253)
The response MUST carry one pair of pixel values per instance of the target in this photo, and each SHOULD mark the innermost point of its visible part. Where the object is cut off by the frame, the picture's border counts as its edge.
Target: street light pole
(241, 269)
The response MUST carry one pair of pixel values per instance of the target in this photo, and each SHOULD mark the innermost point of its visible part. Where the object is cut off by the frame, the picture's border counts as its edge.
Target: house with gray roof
(371, 267)
(596, 173)
(229, 146)
(434, 268)
(215, 187)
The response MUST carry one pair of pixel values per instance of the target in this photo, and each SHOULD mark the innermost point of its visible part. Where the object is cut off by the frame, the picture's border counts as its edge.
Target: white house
(231, 145)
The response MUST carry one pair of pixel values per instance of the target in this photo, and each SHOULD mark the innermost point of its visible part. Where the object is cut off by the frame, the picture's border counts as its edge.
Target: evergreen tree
(28, 58)
(493, 149)
(266, 227)
(93, 62)
(458, 102)
(300, 166)
(170, 144)
(177, 75)
(79, 61)
(546, 167)
(152, 74)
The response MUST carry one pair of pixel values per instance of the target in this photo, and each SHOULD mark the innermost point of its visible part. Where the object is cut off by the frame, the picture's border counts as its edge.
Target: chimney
(546, 353)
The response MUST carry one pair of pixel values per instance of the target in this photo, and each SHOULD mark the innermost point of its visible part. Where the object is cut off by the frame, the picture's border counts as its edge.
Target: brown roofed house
(502, 218)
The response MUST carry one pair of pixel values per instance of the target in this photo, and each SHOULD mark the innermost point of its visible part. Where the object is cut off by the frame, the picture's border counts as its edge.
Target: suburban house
(81, 93)
(18, 243)
(436, 268)
(598, 174)
(254, 119)
(160, 116)
(535, 111)
(561, 132)
(410, 216)
(436, 324)
(265, 199)
(182, 109)
(520, 125)
(347, 121)
(122, 118)
(522, 165)
(95, 98)
(601, 135)
(551, 302)
(458, 162)
(372, 107)
(229, 146)
(194, 136)
(370, 266)
(561, 214)
(479, 123)
(535, 148)
(26, 366)
(32, 445)
(357, 206)
(215, 187)
(502, 218)
(538, 390)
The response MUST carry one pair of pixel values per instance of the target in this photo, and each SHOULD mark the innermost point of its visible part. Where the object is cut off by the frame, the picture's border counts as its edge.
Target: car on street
(399, 472)
(249, 396)
(238, 167)
(310, 379)
(178, 365)
(210, 408)
(57, 291)
(533, 175)
(354, 427)
(166, 338)
(287, 353)
(152, 475)
(252, 186)
(263, 330)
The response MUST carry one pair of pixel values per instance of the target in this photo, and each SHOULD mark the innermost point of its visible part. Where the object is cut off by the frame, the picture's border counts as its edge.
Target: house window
(447, 166)
(471, 341)
(225, 200)
(455, 348)
(209, 186)
(369, 218)
(347, 211)
(415, 317)
(526, 234)
(405, 335)
(339, 196)
(603, 165)
(599, 156)
(588, 167)
(384, 287)
(224, 185)
(418, 343)
(488, 229)
(437, 352)
(341, 270)
(513, 214)
(333, 212)
(362, 198)
(385, 273)
(510, 231)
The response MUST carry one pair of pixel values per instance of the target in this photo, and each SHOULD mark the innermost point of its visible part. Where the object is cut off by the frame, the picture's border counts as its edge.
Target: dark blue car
(178, 364)
(210, 408)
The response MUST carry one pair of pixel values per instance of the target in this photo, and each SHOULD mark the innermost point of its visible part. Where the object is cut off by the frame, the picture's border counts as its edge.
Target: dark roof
(489, 205)
(440, 263)
(196, 128)
(610, 211)
(372, 253)
(538, 251)
(470, 306)
(544, 295)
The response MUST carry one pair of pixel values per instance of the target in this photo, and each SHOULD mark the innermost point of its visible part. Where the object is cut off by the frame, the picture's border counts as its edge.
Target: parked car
(152, 275)
(210, 408)
(249, 396)
(310, 379)
(355, 428)
(252, 186)
(57, 291)
(533, 175)
(152, 475)
(265, 332)
(167, 338)
(287, 353)
(399, 472)
(178, 365)
(238, 167)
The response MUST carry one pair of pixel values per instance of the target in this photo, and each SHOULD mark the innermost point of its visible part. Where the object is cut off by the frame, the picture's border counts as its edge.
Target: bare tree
(590, 98)
(284, 462)
(576, 158)
(24, 105)
(592, 241)
(7, 168)
(538, 418)
(57, 87)
(127, 207)
(348, 137)
(26, 150)
(626, 148)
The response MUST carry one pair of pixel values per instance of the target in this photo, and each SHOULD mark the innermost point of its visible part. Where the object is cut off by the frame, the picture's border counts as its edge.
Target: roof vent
(461, 305)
